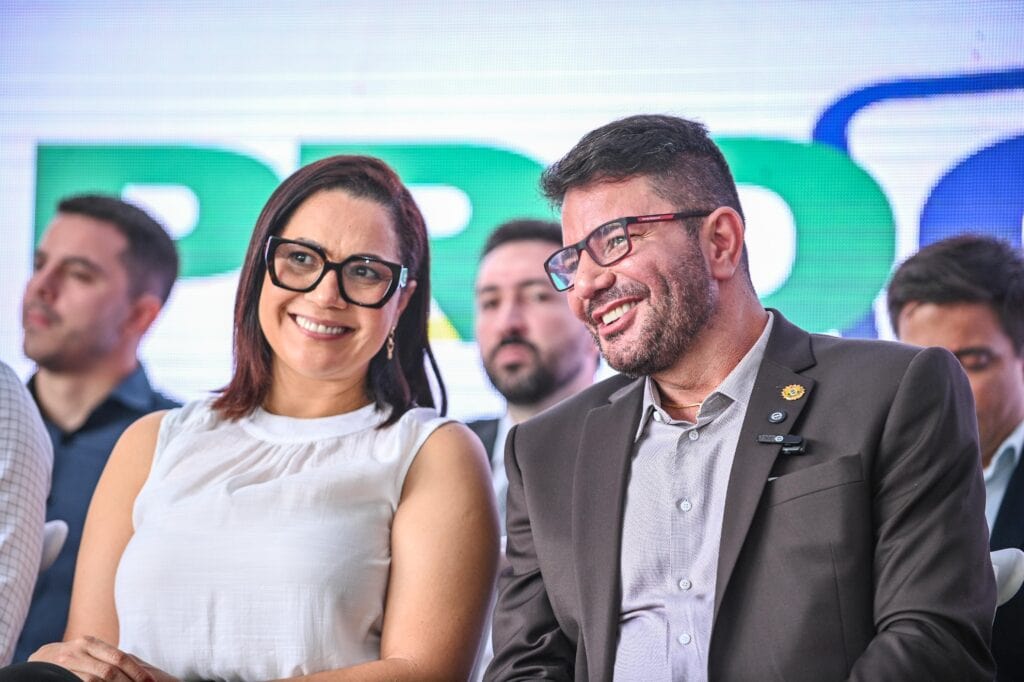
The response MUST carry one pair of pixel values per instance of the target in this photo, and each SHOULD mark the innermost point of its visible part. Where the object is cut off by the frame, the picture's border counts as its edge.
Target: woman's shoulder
(437, 434)
(418, 424)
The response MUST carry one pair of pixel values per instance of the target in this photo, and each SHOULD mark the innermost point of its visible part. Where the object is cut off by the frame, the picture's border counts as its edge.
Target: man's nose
(512, 318)
(43, 284)
(591, 278)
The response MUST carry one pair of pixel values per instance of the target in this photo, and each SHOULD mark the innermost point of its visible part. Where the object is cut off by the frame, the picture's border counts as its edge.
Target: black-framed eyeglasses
(362, 280)
(607, 244)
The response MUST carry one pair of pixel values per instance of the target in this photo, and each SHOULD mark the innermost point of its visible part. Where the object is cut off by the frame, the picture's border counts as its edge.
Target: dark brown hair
(400, 383)
(523, 230)
(968, 268)
(150, 257)
(681, 160)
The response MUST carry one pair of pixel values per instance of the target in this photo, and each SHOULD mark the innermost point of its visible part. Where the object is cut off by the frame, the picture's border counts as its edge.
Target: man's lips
(617, 312)
(513, 352)
(37, 315)
(610, 305)
(609, 313)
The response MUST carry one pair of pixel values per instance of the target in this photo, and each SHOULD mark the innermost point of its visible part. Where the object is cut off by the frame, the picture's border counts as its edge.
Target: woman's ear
(404, 296)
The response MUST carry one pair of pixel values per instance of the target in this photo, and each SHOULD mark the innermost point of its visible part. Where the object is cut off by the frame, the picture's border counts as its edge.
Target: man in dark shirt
(103, 270)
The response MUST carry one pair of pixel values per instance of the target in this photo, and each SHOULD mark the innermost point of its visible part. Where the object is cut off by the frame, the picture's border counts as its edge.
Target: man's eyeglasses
(607, 244)
(362, 280)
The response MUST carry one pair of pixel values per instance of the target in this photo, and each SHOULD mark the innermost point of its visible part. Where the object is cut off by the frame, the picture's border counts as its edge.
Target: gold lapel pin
(793, 392)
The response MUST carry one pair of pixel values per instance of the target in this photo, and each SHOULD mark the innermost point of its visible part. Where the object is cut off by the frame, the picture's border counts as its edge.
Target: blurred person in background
(102, 272)
(319, 519)
(966, 294)
(25, 460)
(534, 350)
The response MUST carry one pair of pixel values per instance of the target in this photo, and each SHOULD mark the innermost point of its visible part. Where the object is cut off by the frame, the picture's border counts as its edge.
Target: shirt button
(684, 638)
(694, 435)
(685, 584)
(685, 505)
(658, 417)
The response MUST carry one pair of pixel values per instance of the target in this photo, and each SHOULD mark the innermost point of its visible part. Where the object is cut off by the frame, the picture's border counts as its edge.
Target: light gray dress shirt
(26, 458)
(999, 471)
(672, 526)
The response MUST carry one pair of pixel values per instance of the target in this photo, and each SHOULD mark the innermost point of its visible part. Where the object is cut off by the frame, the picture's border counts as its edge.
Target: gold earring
(391, 344)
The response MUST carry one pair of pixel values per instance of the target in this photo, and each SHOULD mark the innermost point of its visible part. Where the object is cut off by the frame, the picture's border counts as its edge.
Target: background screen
(858, 132)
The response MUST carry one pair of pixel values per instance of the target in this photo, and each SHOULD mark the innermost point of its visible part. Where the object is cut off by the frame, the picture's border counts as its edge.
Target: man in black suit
(966, 294)
(747, 501)
(535, 352)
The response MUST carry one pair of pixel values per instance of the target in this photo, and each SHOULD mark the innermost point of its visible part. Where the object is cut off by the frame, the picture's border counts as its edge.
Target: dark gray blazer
(865, 559)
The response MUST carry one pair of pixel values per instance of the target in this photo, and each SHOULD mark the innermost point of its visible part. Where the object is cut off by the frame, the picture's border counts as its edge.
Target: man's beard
(672, 324)
(530, 383)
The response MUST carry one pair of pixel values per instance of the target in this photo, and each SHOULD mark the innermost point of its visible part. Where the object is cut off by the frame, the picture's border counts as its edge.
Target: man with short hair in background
(535, 352)
(966, 294)
(102, 272)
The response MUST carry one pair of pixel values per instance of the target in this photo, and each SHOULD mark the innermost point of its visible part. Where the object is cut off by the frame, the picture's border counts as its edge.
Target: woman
(317, 519)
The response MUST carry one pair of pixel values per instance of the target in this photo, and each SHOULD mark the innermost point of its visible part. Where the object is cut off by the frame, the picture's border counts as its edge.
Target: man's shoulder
(486, 429)
(163, 402)
(589, 398)
(839, 348)
(873, 356)
(482, 423)
(138, 388)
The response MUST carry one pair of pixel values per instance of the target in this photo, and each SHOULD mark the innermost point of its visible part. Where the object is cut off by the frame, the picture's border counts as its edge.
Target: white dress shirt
(26, 459)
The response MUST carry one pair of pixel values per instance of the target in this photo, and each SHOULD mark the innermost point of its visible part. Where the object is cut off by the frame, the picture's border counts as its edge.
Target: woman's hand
(93, 659)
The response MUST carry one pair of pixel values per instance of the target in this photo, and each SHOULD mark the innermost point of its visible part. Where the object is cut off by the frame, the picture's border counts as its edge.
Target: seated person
(317, 518)
(25, 460)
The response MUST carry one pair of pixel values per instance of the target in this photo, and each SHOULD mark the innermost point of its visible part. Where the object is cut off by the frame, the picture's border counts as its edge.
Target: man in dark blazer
(966, 294)
(747, 501)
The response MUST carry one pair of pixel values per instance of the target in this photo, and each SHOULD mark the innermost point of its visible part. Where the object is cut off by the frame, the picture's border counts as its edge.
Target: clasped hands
(93, 659)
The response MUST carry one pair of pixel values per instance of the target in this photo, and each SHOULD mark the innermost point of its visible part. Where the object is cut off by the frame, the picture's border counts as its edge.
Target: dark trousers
(36, 672)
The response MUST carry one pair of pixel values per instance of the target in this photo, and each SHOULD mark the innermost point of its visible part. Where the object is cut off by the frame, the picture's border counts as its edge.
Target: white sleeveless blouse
(262, 546)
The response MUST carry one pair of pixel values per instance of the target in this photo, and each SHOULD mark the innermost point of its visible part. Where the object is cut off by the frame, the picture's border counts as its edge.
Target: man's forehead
(78, 237)
(954, 324)
(514, 262)
(588, 206)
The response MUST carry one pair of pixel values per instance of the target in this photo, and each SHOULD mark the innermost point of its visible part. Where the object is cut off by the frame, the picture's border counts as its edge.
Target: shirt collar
(497, 453)
(134, 391)
(735, 388)
(1008, 453)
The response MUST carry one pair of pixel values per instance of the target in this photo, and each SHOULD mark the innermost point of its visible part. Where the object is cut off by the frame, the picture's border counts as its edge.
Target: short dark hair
(683, 163)
(401, 383)
(965, 269)
(523, 230)
(150, 259)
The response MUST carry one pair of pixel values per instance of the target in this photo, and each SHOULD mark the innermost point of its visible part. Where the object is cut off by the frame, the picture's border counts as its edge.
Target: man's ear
(723, 243)
(144, 311)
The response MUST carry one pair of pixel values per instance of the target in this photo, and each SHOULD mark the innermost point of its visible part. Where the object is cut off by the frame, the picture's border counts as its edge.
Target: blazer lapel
(788, 352)
(599, 485)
